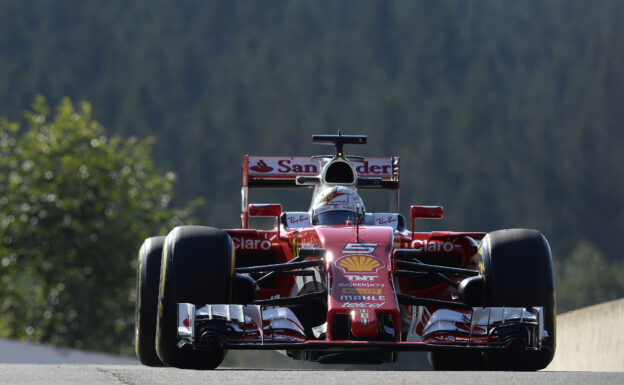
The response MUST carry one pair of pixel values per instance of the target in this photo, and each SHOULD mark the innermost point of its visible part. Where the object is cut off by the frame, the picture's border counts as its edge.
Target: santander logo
(292, 166)
(261, 167)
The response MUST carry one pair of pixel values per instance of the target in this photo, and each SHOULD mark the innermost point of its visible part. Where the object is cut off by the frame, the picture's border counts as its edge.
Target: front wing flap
(264, 328)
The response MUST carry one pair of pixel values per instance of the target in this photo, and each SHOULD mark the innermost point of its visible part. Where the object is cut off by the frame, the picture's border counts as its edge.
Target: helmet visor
(335, 217)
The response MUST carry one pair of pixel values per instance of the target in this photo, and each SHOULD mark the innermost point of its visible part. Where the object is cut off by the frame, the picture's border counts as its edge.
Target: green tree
(74, 207)
(586, 278)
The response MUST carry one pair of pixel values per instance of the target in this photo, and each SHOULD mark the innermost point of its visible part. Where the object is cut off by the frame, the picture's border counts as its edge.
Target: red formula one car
(338, 284)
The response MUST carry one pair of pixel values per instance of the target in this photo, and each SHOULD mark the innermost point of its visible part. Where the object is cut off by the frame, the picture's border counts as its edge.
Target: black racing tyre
(197, 267)
(518, 271)
(148, 274)
(452, 361)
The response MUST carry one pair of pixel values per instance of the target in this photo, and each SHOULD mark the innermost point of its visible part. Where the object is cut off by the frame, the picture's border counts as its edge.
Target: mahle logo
(359, 264)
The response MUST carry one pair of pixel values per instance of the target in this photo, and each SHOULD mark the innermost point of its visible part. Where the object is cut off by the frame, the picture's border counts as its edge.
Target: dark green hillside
(507, 113)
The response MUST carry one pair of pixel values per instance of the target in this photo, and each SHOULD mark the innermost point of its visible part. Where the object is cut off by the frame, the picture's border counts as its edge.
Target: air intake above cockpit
(339, 172)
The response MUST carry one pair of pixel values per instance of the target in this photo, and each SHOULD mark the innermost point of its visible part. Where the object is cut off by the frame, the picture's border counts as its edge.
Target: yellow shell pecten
(359, 263)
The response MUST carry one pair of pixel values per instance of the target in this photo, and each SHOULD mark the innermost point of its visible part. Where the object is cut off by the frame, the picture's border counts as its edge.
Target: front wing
(256, 327)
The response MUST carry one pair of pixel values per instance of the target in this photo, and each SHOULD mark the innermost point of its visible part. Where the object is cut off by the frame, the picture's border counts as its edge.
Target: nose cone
(363, 323)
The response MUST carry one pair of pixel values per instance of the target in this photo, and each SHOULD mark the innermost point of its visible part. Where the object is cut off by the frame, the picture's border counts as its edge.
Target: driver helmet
(334, 205)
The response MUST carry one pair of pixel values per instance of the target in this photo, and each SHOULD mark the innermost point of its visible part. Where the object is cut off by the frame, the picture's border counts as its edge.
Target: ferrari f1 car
(338, 284)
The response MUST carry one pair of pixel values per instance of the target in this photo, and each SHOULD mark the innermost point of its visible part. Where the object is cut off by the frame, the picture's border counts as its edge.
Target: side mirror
(431, 212)
(266, 210)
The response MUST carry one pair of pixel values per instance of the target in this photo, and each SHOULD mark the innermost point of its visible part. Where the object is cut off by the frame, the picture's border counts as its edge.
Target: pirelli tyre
(148, 274)
(518, 271)
(197, 267)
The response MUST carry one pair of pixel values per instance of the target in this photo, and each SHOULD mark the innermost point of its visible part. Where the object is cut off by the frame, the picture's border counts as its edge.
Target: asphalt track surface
(139, 375)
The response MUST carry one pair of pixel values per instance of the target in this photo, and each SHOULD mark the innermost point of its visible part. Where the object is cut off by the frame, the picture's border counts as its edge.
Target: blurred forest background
(509, 113)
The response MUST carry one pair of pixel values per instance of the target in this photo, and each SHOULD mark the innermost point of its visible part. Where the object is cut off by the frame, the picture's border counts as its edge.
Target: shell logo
(359, 264)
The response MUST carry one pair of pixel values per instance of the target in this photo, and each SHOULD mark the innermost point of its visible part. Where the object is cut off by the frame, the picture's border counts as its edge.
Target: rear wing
(284, 172)
(280, 172)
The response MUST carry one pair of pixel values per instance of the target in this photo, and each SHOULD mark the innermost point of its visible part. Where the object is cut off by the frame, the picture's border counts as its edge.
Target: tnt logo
(359, 278)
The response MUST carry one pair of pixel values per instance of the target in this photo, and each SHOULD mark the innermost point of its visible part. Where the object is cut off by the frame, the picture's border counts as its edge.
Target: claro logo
(434, 246)
(252, 243)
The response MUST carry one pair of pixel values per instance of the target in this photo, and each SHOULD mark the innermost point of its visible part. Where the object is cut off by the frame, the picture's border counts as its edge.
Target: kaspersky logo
(359, 264)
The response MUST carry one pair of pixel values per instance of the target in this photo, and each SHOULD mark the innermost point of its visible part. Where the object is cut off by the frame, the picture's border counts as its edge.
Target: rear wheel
(197, 267)
(148, 272)
(518, 271)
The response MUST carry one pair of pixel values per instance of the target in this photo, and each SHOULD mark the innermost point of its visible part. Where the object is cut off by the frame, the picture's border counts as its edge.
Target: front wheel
(517, 267)
(197, 267)
(148, 272)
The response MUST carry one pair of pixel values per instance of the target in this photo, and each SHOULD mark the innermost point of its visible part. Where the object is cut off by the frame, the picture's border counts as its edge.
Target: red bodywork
(359, 265)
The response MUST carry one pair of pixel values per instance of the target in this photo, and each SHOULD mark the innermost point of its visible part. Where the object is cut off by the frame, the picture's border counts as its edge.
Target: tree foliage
(74, 207)
(587, 278)
(506, 112)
